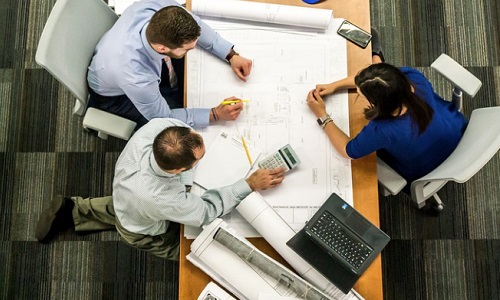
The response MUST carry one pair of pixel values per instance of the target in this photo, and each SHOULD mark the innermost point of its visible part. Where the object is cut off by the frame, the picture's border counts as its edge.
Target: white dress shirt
(146, 198)
(125, 64)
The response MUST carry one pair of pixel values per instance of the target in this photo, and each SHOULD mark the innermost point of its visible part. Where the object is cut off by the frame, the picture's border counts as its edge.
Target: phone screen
(354, 34)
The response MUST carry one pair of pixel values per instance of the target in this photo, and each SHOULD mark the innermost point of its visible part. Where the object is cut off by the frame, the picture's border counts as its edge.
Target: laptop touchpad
(357, 223)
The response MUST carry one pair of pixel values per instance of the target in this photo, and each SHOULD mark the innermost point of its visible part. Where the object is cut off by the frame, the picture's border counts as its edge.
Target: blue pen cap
(311, 1)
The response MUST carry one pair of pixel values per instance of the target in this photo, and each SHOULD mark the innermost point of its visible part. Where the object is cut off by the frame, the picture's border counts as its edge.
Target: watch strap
(322, 120)
(326, 122)
(231, 54)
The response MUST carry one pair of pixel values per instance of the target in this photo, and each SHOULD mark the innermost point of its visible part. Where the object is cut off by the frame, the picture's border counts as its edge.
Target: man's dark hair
(173, 148)
(387, 89)
(172, 26)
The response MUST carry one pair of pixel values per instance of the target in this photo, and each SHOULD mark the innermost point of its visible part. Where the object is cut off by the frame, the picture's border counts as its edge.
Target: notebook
(339, 242)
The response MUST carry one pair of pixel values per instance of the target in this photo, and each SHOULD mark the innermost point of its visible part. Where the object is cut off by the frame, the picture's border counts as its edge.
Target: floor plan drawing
(287, 64)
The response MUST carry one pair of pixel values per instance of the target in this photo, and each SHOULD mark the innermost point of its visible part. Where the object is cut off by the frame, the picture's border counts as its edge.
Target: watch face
(320, 122)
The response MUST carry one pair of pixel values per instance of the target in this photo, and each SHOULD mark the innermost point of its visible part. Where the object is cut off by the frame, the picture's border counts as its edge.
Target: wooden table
(192, 280)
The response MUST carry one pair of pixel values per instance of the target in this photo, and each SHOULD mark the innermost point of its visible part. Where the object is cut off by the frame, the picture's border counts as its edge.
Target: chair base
(433, 203)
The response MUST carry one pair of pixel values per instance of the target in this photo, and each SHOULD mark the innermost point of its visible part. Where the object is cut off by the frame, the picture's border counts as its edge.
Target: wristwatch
(230, 55)
(323, 119)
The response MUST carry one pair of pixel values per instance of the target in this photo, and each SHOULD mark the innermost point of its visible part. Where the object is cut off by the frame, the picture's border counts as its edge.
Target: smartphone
(354, 34)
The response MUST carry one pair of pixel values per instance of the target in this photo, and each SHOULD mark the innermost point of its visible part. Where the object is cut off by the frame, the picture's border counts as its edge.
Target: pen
(226, 102)
(246, 150)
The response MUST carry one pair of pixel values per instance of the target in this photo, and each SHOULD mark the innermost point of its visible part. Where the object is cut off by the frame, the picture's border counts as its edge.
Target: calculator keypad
(274, 161)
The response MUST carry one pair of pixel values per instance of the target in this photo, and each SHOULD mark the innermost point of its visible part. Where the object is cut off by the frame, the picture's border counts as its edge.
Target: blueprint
(287, 64)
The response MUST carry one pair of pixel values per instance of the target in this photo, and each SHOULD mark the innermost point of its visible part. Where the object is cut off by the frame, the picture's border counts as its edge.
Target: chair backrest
(71, 33)
(479, 143)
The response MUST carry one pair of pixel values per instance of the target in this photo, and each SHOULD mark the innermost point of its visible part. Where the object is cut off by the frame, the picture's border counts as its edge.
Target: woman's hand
(330, 88)
(325, 89)
(316, 103)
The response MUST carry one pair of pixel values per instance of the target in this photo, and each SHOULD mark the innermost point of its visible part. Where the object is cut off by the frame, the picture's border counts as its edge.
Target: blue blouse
(397, 141)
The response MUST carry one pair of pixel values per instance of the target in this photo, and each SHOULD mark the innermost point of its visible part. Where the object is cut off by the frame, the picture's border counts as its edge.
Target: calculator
(285, 157)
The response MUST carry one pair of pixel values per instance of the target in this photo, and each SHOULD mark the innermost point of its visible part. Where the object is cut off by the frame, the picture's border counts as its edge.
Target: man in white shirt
(150, 192)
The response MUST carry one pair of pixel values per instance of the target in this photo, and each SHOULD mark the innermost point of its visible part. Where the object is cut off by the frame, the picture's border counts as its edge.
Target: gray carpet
(44, 151)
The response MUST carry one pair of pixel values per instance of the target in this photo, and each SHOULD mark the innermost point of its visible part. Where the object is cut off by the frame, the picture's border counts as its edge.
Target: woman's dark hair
(173, 148)
(172, 26)
(387, 89)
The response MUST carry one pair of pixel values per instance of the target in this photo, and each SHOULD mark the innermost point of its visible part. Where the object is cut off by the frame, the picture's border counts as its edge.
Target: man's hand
(316, 103)
(241, 66)
(225, 112)
(264, 179)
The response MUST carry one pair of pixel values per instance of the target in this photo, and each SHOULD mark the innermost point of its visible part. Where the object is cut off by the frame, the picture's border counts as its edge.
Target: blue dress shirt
(125, 64)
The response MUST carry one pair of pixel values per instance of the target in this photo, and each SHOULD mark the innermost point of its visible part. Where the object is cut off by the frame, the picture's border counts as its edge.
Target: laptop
(339, 242)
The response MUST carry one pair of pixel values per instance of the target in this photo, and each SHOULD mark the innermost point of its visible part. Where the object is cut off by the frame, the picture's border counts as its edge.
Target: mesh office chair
(479, 143)
(65, 50)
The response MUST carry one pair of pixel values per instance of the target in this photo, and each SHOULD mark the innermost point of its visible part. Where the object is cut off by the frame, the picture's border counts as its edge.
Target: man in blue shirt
(125, 75)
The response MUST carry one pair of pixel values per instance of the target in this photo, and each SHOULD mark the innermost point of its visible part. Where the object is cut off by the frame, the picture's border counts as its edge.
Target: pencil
(226, 102)
(246, 150)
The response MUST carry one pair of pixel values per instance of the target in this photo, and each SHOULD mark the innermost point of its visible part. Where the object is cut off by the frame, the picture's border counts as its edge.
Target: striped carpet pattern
(44, 152)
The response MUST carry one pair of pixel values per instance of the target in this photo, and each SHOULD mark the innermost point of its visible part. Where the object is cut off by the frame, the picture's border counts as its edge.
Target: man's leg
(165, 245)
(97, 214)
(90, 214)
(93, 214)
(117, 105)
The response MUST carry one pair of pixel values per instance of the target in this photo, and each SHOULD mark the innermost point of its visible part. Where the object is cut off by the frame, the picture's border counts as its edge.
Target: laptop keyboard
(351, 249)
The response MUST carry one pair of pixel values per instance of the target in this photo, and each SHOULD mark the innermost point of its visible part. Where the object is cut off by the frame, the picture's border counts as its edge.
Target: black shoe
(55, 218)
(377, 44)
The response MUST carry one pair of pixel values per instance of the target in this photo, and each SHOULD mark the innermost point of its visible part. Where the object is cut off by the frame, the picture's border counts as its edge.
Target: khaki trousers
(97, 214)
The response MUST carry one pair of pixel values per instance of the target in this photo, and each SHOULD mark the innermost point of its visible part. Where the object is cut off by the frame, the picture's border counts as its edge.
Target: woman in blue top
(411, 128)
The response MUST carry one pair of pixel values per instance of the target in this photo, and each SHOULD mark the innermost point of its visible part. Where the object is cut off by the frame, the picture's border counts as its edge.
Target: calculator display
(289, 155)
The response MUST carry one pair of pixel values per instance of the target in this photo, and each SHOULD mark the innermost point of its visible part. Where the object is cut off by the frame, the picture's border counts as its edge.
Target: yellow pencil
(227, 102)
(246, 150)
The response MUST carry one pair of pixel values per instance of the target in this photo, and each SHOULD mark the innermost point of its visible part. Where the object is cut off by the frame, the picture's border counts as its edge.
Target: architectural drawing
(287, 64)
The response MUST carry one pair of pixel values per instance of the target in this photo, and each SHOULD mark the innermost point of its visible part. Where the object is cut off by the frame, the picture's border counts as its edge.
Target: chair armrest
(458, 75)
(388, 178)
(109, 124)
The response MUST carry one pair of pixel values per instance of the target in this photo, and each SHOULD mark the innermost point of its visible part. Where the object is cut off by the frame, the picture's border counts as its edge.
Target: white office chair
(66, 47)
(479, 143)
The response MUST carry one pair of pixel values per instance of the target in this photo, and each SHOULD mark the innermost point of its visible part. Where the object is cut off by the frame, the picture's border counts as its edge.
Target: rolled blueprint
(270, 267)
(277, 232)
(264, 12)
(241, 275)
